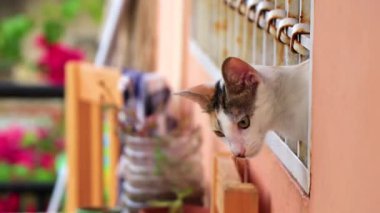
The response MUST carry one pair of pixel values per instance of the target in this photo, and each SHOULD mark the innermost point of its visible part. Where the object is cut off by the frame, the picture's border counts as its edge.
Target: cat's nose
(240, 153)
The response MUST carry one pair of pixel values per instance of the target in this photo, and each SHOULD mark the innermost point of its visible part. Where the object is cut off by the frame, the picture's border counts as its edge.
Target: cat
(251, 100)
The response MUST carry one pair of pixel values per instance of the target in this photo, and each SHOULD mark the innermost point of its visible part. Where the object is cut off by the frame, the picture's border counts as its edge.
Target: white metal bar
(304, 39)
(298, 170)
(109, 31)
(278, 46)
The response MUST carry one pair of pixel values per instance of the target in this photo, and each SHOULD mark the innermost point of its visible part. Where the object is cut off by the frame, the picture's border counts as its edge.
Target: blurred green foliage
(59, 15)
(56, 16)
(12, 32)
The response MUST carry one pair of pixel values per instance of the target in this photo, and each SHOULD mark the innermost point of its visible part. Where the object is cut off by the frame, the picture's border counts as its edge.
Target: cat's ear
(201, 94)
(238, 75)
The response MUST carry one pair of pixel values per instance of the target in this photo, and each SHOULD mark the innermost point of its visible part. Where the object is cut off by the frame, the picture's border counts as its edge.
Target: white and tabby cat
(250, 101)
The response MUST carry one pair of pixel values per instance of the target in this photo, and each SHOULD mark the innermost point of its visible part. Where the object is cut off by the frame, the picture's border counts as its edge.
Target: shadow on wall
(264, 196)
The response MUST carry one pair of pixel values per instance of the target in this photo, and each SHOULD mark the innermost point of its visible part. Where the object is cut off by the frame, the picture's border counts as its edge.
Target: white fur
(281, 105)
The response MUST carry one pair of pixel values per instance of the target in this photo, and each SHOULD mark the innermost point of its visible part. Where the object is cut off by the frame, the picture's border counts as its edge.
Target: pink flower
(54, 58)
(10, 143)
(11, 203)
(47, 161)
(59, 143)
(42, 133)
(25, 158)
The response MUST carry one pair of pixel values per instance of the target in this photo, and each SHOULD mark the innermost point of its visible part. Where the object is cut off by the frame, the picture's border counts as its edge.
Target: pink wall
(346, 107)
(345, 175)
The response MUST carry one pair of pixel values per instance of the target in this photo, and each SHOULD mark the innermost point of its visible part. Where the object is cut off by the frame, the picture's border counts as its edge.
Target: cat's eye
(244, 123)
(219, 133)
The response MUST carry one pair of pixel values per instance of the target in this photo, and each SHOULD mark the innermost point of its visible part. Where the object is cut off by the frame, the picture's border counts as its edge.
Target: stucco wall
(346, 107)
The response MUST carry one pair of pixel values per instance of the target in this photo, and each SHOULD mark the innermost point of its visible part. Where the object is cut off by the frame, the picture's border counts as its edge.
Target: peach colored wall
(345, 175)
(346, 107)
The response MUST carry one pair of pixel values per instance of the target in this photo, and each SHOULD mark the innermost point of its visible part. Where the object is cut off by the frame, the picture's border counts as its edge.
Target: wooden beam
(77, 140)
(229, 193)
(96, 147)
(88, 89)
(99, 84)
(114, 156)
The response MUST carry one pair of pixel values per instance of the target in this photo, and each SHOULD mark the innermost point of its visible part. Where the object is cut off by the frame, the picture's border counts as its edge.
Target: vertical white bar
(237, 39)
(268, 46)
(304, 153)
(214, 30)
(241, 35)
(257, 44)
(109, 30)
(248, 48)
(278, 46)
(230, 29)
(305, 7)
(292, 8)
(223, 33)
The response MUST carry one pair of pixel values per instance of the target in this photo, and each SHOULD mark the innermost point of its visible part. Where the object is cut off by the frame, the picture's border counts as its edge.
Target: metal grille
(270, 32)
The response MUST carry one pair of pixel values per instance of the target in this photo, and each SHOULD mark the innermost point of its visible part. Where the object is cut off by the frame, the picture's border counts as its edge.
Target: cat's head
(236, 115)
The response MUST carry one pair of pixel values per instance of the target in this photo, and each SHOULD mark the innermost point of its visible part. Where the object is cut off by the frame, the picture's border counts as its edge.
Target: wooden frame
(88, 89)
(229, 194)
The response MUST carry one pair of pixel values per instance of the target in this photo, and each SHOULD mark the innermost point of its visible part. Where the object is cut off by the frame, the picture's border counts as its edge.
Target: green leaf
(53, 30)
(5, 172)
(29, 139)
(12, 32)
(70, 9)
(94, 8)
(43, 175)
(20, 171)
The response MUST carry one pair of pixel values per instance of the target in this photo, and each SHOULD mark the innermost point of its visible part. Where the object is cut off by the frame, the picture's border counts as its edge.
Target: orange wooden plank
(88, 88)
(78, 187)
(96, 147)
(100, 85)
(229, 193)
(114, 156)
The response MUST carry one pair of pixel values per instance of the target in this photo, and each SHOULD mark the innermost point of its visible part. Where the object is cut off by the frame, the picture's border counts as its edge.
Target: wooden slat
(230, 195)
(96, 147)
(114, 156)
(88, 88)
(77, 143)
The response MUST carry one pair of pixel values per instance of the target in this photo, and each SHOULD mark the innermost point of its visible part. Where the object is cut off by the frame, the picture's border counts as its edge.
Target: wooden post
(114, 156)
(229, 194)
(96, 147)
(88, 88)
(77, 142)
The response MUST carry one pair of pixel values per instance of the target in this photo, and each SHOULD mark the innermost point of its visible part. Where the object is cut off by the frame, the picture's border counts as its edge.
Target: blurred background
(37, 38)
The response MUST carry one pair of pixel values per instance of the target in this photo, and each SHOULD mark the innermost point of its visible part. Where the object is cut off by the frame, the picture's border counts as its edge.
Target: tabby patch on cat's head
(231, 106)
